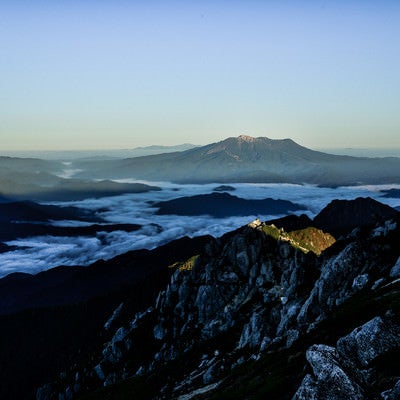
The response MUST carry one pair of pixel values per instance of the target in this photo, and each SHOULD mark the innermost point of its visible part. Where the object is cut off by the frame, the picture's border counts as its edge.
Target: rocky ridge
(257, 295)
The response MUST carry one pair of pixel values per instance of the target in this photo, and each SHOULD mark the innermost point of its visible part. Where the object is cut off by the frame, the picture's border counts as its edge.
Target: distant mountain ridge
(160, 149)
(249, 159)
(35, 179)
(242, 159)
(93, 154)
(221, 205)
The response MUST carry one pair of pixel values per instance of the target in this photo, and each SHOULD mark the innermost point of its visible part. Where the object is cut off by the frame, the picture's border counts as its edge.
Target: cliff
(262, 313)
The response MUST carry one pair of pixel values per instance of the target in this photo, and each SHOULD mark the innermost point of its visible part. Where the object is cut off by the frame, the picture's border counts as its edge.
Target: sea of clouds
(40, 253)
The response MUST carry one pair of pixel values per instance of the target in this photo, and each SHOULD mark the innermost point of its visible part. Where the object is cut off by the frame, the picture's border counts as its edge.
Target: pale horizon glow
(97, 75)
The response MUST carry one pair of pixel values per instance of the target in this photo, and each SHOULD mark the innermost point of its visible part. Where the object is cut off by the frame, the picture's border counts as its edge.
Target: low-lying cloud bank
(36, 254)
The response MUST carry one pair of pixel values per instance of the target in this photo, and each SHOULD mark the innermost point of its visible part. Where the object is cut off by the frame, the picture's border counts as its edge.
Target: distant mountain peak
(251, 159)
(246, 138)
(251, 139)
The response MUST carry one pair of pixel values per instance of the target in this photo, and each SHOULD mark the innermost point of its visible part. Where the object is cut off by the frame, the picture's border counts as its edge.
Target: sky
(96, 74)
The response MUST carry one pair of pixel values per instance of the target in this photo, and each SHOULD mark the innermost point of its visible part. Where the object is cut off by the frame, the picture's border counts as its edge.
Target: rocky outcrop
(254, 292)
(340, 373)
(247, 286)
(329, 381)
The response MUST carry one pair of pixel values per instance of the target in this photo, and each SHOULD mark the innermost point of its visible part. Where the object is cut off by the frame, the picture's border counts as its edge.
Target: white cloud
(40, 253)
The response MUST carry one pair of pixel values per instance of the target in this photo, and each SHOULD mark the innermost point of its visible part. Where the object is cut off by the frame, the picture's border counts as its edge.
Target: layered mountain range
(236, 159)
(44, 180)
(249, 159)
(289, 308)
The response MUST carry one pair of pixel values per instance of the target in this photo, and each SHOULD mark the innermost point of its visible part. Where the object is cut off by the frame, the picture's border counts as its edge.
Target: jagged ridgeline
(277, 310)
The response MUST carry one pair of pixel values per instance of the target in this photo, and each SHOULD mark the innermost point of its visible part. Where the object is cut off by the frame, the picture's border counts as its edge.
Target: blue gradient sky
(119, 74)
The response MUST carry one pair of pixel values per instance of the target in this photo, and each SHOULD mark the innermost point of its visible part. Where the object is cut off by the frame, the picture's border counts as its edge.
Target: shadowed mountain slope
(340, 217)
(233, 317)
(30, 211)
(45, 180)
(243, 317)
(24, 219)
(55, 319)
(248, 159)
(223, 205)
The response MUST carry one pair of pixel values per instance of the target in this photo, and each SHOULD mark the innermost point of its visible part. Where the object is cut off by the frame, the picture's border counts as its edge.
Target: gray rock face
(340, 277)
(366, 343)
(339, 373)
(256, 293)
(330, 381)
(253, 332)
(118, 346)
(360, 282)
(266, 278)
(395, 271)
(113, 317)
(252, 284)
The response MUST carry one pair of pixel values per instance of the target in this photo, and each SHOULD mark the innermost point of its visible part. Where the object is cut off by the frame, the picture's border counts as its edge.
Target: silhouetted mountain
(54, 188)
(67, 285)
(292, 222)
(224, 188)
(30, 211)
(223, 205)
(75, 189)
(26, 218)
(4, 247)
(248, 159)
(340, 217)
(59, 315)
(18, 230)
(394, 193)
